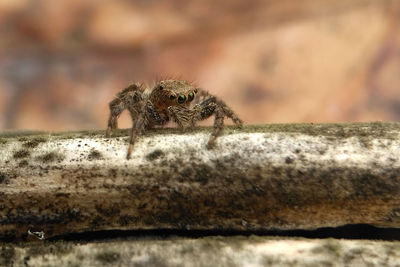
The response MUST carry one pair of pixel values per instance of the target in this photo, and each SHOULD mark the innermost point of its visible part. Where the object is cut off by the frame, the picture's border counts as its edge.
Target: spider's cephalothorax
(178, 100)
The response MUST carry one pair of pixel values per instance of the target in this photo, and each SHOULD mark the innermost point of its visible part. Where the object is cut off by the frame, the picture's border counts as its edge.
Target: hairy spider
(169, 99)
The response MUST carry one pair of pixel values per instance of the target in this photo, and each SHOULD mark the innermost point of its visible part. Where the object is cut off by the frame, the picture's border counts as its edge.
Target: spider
(178, 100)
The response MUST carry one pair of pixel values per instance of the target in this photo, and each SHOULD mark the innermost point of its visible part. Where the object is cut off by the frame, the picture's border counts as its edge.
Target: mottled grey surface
(209, 251)
(292, 176)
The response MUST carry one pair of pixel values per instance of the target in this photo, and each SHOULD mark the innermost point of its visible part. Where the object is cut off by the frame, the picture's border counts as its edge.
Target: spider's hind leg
(128, 98)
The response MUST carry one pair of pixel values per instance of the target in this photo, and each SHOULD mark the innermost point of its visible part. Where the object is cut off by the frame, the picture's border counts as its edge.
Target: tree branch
(283, 176)
(215, 251)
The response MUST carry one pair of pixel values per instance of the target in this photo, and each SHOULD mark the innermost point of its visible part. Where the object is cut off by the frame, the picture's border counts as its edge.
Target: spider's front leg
(129, 98)
(138, 127)
(147, 117)
(212, 105)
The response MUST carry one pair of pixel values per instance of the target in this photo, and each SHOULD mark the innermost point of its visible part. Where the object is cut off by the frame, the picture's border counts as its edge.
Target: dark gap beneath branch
(354, 231)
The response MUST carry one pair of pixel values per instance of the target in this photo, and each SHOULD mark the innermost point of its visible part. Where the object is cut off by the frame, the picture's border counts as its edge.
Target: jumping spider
(169, 99)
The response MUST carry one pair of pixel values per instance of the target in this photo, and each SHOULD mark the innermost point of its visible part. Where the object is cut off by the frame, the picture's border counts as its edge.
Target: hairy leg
(218, 126)
(138, 127)
(147, 116)
(116, 108)
(129, 98)
(209, 105)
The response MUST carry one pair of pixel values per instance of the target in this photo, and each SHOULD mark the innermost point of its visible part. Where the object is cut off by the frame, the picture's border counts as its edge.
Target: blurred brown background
(62, 61)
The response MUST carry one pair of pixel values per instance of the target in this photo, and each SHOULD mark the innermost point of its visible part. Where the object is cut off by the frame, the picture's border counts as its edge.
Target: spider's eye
(161, 86)
(190, 96)
(195, 90)
(172, 97)
(181, 99)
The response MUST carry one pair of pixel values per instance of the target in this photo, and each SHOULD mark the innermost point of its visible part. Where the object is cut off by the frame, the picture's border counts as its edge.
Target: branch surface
(279, 176)
(216, 251)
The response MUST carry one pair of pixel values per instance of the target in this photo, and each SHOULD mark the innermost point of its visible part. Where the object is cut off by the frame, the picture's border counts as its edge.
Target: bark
(284, 176)
(210, 251)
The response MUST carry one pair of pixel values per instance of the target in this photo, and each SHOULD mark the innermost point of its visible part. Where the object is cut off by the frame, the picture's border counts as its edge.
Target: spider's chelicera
(178, 100)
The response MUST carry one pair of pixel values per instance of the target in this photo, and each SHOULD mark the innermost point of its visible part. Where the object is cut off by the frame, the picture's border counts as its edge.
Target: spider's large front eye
(190, 96)
(181, 99)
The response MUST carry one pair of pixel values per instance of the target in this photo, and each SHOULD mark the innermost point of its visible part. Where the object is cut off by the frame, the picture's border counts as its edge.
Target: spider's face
(173, 93)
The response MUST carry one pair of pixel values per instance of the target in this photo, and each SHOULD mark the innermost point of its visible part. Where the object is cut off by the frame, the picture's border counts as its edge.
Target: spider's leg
(147, 113)
(116, 108)
(212, 105)
(218, 126)
(137, 128)
(230, 114)
(207, 106)
(126, 99)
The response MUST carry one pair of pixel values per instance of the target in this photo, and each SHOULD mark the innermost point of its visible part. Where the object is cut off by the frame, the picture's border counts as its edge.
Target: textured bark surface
(295, 176)
(210, 251)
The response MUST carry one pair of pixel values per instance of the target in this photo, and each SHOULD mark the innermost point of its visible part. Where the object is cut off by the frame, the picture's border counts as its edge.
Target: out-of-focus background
(62, 61)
